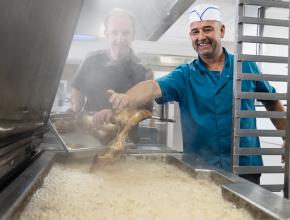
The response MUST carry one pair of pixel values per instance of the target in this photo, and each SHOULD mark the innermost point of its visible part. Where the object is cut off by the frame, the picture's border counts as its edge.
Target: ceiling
(174, 40)
(155, 19)
(152, 17)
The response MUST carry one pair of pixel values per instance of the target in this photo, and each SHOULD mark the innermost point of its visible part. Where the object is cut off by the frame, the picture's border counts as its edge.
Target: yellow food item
(126, 120)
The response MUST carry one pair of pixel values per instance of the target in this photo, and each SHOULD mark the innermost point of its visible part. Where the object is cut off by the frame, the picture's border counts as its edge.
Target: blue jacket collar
(201, 65)
(226, 74)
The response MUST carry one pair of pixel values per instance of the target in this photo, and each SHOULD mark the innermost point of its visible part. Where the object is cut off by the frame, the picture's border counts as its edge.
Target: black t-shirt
(98, 73)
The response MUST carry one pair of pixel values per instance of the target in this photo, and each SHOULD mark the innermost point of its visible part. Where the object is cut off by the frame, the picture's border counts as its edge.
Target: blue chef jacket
(205, 100)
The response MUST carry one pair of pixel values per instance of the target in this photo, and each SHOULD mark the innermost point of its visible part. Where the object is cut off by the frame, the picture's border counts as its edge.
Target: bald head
(119, 31)
(118, 12)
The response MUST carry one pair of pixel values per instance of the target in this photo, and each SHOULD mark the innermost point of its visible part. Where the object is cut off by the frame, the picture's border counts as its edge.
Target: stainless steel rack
(240, 76)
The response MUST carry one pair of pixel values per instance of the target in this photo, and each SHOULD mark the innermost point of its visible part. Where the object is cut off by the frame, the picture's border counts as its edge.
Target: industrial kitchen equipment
(35, 38)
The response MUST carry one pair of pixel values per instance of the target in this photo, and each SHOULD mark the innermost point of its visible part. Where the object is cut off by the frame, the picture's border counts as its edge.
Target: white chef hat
(204, 12)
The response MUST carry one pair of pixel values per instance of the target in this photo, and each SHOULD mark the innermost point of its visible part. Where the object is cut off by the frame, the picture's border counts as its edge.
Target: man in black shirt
(116, 69)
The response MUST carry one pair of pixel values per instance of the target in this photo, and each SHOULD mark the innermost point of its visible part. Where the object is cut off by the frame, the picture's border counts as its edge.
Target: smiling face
(206, 37)
(119, 33)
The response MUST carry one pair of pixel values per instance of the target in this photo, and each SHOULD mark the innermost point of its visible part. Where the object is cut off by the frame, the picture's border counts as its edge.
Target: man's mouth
(122, 47)
(202, 45)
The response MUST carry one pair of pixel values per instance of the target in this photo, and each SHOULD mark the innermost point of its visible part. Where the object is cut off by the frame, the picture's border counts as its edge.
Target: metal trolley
(241, 38)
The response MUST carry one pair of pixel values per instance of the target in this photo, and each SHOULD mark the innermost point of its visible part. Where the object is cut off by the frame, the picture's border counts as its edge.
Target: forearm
(279, 123)
(77, 100)
(143, 93)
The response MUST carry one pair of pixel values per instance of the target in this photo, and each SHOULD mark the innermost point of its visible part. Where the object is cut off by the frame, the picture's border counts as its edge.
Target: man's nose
(120, 37)
(201, 36)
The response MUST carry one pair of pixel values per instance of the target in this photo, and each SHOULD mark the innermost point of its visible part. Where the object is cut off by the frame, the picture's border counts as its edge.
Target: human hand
(119, 101)
(101, 117)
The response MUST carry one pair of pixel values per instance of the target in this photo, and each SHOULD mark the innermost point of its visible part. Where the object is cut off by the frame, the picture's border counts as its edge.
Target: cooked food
(125, 120)
(84, 123)
(128, 190)
(113, 134)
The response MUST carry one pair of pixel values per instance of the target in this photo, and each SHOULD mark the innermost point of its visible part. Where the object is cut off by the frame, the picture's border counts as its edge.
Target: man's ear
(223, 30)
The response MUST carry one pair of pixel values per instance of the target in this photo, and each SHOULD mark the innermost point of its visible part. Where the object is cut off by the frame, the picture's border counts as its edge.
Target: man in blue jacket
(204, 91)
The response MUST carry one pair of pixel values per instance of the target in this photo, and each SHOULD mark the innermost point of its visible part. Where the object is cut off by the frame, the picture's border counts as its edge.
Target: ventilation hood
(152, 17)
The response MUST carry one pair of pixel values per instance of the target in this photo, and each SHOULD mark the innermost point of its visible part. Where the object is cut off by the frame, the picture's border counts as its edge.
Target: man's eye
(207, 30)
(194, 32)
(114, 33)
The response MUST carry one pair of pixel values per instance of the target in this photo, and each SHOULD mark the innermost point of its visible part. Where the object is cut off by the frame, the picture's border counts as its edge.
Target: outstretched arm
(77, 100)
(279, 123)
(138, 96)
